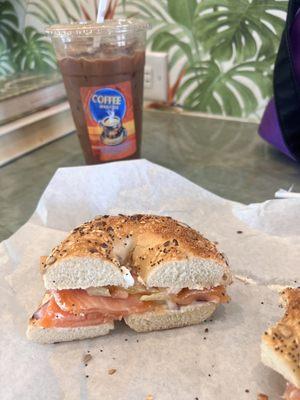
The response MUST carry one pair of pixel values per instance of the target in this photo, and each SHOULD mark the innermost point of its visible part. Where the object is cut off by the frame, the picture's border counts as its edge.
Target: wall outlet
(156, 76)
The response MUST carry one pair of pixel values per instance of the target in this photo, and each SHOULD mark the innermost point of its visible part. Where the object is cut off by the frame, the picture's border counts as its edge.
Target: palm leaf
(50, 12)
(182, 11)
(22, 4)
(229, 28)
(156, 10)
(6, 66)
(232, 91)
(8, 21)
(31, 52)
(44, 12)
(175, 52)
(145, 10)
(174, 58)
(164, 41)
(172, 30)
(67, 13)
(75, 4)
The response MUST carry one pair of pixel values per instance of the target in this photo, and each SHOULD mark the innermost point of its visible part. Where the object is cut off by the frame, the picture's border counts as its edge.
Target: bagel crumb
(86, 358)
(262, 396)
(112, 371)
(149, 397)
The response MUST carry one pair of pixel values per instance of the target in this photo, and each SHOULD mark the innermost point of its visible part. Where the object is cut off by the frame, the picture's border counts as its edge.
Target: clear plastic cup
(103, 71)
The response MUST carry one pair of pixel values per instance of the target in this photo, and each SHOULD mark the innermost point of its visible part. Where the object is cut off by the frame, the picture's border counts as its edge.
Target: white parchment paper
(219, 359)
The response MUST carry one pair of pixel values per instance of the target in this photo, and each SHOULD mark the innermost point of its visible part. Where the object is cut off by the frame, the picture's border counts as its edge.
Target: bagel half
(280, 347)
(163, 252)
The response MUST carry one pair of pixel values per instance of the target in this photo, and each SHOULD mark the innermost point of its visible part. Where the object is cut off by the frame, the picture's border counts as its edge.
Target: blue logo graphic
(107, 102)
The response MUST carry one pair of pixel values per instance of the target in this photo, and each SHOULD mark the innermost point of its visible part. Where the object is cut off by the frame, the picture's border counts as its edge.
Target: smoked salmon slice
(78, 300)
(215, 295)
(75, 307)
(71, 308)
(291, 392)
(49, 315)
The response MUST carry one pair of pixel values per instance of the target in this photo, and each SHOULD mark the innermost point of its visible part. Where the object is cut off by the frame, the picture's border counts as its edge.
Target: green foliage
(22, 51)
(219, 90)
(167, 34)
(31, 52)
(8, 21)
(6, 65)
(226, 47)
(165, 41)
(155, 11)
(50, 12)
(229, 28)
(223, 49)
(183, 11)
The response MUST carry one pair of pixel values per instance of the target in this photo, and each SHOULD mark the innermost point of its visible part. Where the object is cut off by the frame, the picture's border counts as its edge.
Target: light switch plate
(156, 76)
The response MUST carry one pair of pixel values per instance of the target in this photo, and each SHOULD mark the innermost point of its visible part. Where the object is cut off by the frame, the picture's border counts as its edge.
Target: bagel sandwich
(280, 346)
(152, 271)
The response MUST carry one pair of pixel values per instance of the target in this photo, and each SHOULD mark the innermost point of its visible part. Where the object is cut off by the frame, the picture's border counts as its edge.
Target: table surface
(225, 157)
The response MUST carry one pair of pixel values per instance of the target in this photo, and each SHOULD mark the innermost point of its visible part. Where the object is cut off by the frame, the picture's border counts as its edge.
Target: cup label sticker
(110, 120)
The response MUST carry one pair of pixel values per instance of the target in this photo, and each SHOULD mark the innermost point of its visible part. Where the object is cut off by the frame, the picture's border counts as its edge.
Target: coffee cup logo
(108, 107)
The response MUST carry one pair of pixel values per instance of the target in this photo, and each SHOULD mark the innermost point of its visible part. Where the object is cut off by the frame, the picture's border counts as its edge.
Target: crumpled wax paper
(219, 359)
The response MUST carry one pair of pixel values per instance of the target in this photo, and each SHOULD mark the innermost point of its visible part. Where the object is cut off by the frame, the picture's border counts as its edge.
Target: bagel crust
(162, 252)
(281, 343)
(38, 334)
(167, 319)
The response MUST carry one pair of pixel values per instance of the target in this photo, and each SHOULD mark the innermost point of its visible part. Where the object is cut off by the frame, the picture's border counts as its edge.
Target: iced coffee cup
(103, 71)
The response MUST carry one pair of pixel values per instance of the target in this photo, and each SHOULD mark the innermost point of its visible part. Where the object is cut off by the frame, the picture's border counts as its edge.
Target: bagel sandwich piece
(280, 346)
(152, 271)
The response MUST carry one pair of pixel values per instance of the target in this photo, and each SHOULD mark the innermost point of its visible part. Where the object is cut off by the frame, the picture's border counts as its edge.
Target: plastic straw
(101, 10)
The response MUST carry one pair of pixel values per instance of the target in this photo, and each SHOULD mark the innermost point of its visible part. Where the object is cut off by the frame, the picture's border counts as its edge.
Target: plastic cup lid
(108, 27)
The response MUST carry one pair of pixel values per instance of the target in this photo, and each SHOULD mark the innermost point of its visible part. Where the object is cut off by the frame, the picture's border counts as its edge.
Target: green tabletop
(225, 157)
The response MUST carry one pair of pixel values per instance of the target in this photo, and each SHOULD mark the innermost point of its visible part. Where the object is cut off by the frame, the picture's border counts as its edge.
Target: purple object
(269, 128)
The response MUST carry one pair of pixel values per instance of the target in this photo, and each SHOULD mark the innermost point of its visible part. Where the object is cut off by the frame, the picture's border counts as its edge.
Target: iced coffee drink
(103, 70)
